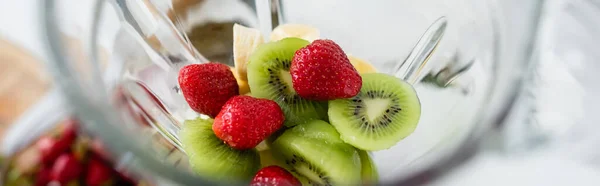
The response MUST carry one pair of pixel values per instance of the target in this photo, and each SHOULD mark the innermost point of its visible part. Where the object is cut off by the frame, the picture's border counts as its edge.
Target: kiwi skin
(386, 130)
(212, 159)
(269, 77)
(316, 147)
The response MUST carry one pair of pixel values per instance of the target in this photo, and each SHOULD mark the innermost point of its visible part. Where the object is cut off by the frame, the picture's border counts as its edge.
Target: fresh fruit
(66, 168)
(361, 65)
(305, 32)
(262, 146)
(98, 173)
(245, 41)
(80, 148)
(242, 84)
(275, 135)
(124, 178)
(245, 121)
(72, 183)
(15, 178)
(211, 158)
(98, 148)
(43, 177)
(27, 161)
(50, 148)
(267, 158)
(269, 77)
(69, 130)
(206, 87)
(314, 152)
(369, 173)
(274, 176)
(321, 71)
(385, 111)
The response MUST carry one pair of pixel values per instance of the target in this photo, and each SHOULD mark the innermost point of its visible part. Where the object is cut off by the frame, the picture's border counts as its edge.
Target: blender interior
(453, 66)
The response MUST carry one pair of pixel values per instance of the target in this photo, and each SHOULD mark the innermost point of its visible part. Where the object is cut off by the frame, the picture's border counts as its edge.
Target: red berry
(43, 177)
(245, 121)
(66, 168)
(206, 87)
(98, 173)
(274, 176)
(124, 179)
(69, 130)
(322, 71)
(51, 148)
(98, 148)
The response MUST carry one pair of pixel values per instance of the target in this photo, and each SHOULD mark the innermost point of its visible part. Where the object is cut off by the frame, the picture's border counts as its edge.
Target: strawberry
(50, 148)
(97, 148)
(124, 179)
(98, 173)
(274, 176)
(245, 121)
(66, 168)
(42, 177)
(69, 129)
(206, 87)
(322, 71)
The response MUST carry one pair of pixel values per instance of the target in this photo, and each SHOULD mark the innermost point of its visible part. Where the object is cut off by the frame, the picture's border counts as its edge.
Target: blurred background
(559, 106)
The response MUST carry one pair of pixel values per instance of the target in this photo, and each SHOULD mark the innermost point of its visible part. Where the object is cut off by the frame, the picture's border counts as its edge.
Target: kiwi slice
(266, 158)
(269, 77)
(385, 111)
(369, 173)
(316, 155)
(209, 157)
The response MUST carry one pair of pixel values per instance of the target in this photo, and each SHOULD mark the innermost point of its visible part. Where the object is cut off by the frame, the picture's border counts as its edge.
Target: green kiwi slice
(315, 154)
(269, 77)
(369, 173)
(385, 111)
(209, 157)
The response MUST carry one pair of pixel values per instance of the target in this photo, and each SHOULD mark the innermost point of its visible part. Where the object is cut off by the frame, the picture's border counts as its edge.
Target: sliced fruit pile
(309, 116)
(63, 158)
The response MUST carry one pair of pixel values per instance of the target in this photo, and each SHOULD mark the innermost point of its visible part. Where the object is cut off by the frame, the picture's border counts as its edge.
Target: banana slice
(245, 40)
(305, 32)
(361, 65)
(243, 85)
(262, 146)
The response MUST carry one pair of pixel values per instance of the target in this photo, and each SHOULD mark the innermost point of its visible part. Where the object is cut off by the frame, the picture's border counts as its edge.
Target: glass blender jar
(116, 64)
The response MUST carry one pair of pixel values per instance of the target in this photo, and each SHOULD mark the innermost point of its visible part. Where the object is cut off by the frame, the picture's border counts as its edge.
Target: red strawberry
(98, 149)
(98, 173)
(124, 179)
(322, 71)
(42, 177)
(66, 168)
(274, 176)
(50, 148)
(206, 87)
(245, 121)
(69, 130)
